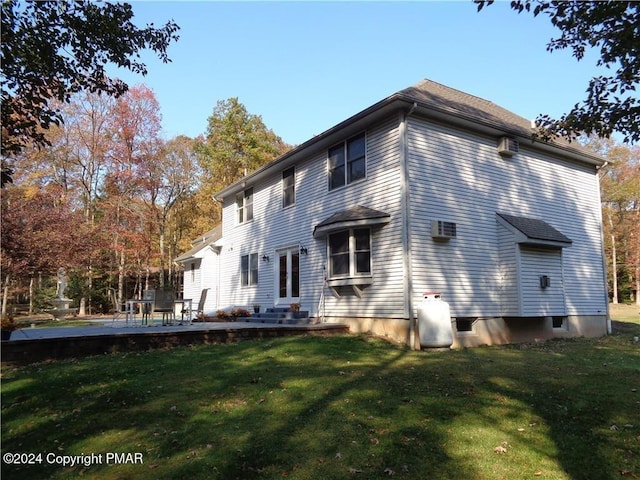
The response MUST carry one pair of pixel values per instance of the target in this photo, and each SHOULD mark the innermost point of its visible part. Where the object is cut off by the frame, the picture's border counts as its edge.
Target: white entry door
(288, 276)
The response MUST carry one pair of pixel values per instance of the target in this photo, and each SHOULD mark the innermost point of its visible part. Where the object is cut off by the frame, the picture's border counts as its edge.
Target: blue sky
(306, 66)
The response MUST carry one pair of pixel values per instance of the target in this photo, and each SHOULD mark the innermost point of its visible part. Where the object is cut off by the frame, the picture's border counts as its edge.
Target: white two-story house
(428, 190)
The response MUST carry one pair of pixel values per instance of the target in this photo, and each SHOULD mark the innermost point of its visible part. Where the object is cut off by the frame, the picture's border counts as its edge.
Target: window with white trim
(249, 270)
(288, 187)
(347, 162)
(350, 253)
(244, 204)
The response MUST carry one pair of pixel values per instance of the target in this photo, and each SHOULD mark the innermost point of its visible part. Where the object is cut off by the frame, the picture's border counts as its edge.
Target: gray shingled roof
(457, 102)
(354, 213)
(535, 229)
(351, 217)
(198, 244)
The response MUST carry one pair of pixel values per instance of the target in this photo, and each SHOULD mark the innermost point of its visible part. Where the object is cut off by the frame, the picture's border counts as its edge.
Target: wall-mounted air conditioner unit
(443, 230)
(508, 146)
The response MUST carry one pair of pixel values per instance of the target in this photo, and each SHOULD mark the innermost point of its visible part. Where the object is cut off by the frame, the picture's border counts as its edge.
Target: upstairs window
(249, 270)
(244, 204)
(347, 162)
(288, 187)
(350, 253)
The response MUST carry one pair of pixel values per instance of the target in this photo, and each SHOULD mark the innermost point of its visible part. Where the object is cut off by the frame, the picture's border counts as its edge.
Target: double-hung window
(249, 270)
(288, 187)
(350, 253)
(347, 162)
(244, 204)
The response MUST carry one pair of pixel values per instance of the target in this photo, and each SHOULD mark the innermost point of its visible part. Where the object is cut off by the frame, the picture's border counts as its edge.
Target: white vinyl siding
(454, 176)
(192, 279)
(458, 176)
(206, 274)
(275, 228)
(537, 301)
(508, 273)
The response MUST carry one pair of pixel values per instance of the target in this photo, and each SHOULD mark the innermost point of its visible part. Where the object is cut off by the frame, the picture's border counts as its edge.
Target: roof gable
(208, 238)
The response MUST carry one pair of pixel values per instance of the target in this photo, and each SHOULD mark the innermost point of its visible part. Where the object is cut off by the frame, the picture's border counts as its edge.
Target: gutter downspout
(406, 234)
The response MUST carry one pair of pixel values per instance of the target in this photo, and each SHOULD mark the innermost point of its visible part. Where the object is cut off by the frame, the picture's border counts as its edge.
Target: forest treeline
(112, 202)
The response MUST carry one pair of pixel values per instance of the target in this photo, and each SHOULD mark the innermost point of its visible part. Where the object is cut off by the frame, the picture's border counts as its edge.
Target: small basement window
(559, 322)
(464, 324)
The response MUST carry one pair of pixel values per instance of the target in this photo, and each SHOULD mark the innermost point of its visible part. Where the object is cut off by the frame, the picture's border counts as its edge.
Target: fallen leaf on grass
(353, 471)
(389, 472)
(502, 448)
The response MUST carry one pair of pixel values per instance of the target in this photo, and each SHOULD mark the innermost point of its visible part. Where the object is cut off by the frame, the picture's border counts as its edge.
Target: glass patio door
(288, 276)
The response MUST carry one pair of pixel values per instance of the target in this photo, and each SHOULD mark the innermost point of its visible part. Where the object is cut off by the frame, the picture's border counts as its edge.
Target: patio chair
(198, 314)
(164, 303)
(119, 308)
(147, 307)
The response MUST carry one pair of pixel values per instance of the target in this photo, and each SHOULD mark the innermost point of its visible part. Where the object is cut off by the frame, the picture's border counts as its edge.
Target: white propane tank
(434, 321)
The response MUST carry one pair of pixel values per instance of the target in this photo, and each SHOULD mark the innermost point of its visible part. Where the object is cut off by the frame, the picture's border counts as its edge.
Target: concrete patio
(29, 345)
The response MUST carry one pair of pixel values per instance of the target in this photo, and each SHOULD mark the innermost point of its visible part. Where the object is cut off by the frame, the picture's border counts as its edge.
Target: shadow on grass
(334, 408)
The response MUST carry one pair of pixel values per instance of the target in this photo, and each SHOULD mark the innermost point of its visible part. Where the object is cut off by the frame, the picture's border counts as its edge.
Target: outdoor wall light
(265, 258)
(303, 250)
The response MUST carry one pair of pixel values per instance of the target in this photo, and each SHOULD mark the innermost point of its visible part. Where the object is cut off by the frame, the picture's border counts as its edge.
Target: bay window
(350, 253)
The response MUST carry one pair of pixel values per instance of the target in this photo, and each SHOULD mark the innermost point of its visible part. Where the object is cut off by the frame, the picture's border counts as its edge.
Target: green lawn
(332, 408)
(625, 313)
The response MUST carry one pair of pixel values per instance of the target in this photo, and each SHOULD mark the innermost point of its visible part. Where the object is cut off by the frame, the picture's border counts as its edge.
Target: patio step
(278, 315)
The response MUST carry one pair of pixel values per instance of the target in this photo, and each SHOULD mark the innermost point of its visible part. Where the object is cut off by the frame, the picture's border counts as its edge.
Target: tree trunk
(637, 284)
(637, 255)
(614, 269)
(162, 230)
(121, 276)
(31, 294)
(614, 261)
(5, 294)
